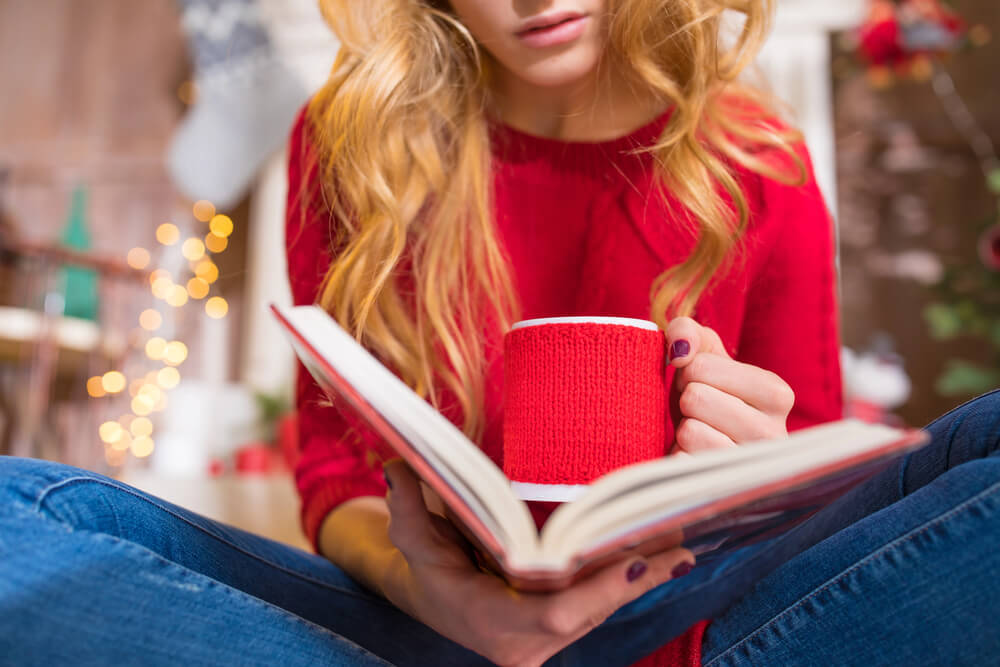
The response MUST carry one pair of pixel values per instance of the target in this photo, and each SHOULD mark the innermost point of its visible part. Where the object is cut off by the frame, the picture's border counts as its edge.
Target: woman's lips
(555, 33)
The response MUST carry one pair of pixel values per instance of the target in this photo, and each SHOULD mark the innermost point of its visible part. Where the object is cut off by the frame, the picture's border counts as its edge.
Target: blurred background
(142, 196)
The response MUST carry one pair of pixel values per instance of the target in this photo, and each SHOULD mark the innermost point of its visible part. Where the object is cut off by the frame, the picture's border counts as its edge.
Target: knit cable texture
(581, 400)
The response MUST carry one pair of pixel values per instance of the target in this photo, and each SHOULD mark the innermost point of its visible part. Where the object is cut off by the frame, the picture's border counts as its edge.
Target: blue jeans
(902, 570)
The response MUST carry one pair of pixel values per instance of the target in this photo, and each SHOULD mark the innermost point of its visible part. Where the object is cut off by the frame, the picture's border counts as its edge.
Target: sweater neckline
(596, 158)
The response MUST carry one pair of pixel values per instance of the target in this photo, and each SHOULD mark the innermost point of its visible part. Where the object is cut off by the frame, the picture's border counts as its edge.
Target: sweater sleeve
(340, 458)
(791, 322)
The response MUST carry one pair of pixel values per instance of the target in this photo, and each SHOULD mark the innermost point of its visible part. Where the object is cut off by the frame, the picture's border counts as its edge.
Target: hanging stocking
(246, 101)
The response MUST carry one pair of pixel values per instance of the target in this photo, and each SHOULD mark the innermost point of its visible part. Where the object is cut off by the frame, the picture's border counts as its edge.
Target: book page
(465, 478)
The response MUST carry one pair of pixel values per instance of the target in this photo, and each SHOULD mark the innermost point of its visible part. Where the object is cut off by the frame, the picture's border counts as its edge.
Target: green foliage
(961, 378)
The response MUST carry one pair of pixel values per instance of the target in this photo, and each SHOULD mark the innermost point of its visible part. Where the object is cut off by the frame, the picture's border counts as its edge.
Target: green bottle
(78, 284)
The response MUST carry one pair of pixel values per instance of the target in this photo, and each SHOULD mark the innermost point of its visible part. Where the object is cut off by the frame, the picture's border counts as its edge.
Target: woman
(473, 162)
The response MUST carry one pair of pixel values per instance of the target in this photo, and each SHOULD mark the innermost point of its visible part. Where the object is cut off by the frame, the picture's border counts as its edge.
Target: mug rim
(578, 319)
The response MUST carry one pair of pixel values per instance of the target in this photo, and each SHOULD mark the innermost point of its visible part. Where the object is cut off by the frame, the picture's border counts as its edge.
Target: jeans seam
(913, 534)
(82, 478)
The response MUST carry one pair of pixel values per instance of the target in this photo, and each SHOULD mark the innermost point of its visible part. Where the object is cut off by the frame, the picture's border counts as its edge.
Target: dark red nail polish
(635, 570)
(680, 348)
(682, 569)
(388, 482)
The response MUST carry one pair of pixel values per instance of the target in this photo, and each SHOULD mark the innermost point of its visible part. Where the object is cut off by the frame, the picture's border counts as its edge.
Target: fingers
(693, 435)
(409, 521)
(757, 387)
(686, 339)
(727, 414)
(588, 603)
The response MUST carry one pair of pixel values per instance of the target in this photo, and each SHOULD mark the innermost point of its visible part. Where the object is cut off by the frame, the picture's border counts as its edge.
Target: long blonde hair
(418, 273)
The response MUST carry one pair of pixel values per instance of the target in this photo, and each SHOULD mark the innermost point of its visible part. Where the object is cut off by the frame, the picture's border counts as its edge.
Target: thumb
(686, 338)
(409, 521)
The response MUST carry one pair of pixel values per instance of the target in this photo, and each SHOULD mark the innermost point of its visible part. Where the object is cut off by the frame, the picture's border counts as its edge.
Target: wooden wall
(909, 186)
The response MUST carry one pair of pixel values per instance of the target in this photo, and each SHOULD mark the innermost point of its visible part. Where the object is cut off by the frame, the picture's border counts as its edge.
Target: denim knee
(26, 484)
(973, 428)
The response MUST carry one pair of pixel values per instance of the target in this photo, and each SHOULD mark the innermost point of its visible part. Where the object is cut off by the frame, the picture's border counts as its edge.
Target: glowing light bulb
(155, 347)
(157, 274)
(203, 210)
(197, 288)
(215, 243)
(207, 271)
(150, 320)
(193, 249)
(113, 382)
(138, 258)
(122, 442)
(162, 287)
(141, 406)
(178, 296)
(216, 307)
(109, 431)
(175, 353)
(141, 427)
(168, 233)
(95, 388)
(152, 393)
(168, 377)
(142, 447)
(221, 226)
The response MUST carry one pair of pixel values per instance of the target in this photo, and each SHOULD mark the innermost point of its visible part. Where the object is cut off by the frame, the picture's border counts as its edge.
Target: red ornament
(989, 248)
(895, 34)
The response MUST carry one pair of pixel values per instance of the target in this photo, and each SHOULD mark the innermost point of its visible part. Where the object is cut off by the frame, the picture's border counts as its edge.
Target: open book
(710, 503)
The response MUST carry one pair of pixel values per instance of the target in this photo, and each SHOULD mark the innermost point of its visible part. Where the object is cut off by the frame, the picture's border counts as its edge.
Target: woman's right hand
(433, 580)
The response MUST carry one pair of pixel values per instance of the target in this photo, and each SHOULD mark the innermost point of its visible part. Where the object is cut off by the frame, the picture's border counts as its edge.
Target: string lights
(133, 433)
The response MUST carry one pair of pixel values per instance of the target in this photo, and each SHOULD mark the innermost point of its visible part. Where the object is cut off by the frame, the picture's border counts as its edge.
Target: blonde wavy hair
(402, 142)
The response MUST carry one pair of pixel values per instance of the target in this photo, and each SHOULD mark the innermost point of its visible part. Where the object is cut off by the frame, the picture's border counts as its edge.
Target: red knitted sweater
(585, 235)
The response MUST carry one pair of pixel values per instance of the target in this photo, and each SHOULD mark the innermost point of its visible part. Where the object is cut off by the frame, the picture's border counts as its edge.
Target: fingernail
(388, 482)
(635, 570)
(681, 570)
(680, 348)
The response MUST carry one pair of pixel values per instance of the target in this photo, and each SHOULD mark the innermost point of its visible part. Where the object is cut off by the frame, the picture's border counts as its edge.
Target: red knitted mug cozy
(581, 399)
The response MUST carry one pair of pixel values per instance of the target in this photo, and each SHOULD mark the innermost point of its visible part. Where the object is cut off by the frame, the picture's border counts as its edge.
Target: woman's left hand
(723, 402)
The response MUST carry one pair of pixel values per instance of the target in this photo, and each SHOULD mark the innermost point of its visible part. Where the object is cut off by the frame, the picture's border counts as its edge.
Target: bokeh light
(216, 243)
(95, 389)
(142, 447)
(203, 210)
(134, 386)
(138, 258)
(126, 421)
(113, 382)
(155, 347)
(150, 320)
(207, 271)
(141, 406)
(161, 404)
(216, 307)
(168, 377)
(122, 442)
(168, 234)
(162, 287)
(221, 226)
(156, 274)
(193, 249)
(141, 427)
(114, 458)
(152, 393)
(110, 431)
(178, 296)
(197, 288)
(175, 353)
